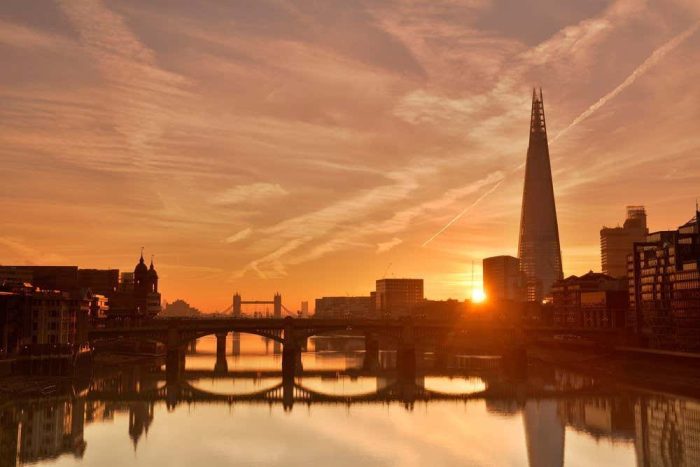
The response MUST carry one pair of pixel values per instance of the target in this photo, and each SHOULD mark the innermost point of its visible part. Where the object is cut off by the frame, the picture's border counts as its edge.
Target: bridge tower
(277, 304)
(236, 305)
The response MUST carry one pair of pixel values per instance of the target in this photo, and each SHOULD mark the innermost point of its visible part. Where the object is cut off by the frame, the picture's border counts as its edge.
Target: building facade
(398, 297)
(664, 288)
(343, 307)
(616, 242)
(538, 247)
(594, 300)
(502, 278)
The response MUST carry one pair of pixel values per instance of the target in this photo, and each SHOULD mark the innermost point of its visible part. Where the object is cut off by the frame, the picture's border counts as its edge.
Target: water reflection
(348, 416)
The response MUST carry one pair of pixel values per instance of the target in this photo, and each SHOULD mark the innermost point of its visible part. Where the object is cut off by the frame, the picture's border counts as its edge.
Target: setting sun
(478, 296)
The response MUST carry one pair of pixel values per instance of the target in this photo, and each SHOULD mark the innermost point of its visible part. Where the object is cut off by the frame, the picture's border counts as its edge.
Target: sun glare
(478, 296)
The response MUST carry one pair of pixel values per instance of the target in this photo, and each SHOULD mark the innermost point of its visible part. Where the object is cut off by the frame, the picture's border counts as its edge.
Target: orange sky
(307, 147)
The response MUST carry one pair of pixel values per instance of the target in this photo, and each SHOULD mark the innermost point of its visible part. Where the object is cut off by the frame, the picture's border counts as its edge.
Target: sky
(310, 147)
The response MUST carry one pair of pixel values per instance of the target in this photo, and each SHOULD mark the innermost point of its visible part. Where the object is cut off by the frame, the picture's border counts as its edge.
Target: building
(502, 278)
(616, 242)
(440, 309)
(304, 311)
(397, 297)
(664, 288)
(99, 281)
(137, 296)
(44, 277)
(37, 322)
(538, 248)
(594, 300)
(343, 307)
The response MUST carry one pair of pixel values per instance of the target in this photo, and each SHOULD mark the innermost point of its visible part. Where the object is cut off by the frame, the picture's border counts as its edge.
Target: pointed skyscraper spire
(538, 248)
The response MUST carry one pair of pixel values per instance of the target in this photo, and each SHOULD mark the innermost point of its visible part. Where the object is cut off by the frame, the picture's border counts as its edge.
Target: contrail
(465, 210)
(652, 60)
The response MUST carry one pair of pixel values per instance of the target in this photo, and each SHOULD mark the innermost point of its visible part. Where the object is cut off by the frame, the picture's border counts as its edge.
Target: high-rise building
(502, 278)
(396, 297)
(538, 249)
(664, 287)
(616, 242)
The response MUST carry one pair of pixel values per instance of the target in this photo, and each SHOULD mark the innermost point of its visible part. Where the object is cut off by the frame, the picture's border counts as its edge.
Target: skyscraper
(538, 249)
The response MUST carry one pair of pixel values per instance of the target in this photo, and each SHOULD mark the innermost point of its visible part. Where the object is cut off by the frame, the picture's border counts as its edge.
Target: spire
(141, 260)
(538, 128)
(152, 262)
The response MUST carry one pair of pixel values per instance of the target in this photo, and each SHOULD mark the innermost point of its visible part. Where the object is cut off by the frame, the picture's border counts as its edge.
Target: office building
(398, 297)
(502, 278)
(616, 242)
(664, 288)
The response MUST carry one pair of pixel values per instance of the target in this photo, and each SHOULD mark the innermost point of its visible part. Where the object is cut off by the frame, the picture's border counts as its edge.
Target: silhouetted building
(538, 249)
(397, 297)
(664, 287)
(594, 300)
(343, 307)
(180, 308)
(137, 296)
(99, 281)
(440, 309)
(44, 277)
(616, 242)
(502, 278)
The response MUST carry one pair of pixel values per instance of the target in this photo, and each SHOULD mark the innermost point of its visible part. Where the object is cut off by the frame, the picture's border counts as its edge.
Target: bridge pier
(192, 346)
(291, 361)
(371, 359)
(406, 362)
(221, 363)
(174, 363)
(514, 360)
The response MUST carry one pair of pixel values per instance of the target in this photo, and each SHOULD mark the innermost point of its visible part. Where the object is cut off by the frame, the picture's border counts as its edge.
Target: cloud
(386, 246)
(255, 192)
(237, 237)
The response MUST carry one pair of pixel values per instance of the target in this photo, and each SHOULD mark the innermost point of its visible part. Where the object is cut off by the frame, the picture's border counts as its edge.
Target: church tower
(538, 248)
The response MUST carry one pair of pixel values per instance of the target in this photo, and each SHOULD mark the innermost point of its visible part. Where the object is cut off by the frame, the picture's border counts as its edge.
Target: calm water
(332, 417)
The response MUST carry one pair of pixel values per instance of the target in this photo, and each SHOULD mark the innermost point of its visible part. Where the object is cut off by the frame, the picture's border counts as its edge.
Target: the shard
(538, 248)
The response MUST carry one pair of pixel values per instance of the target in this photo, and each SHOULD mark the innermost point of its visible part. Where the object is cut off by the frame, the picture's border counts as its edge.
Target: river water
(466, 413)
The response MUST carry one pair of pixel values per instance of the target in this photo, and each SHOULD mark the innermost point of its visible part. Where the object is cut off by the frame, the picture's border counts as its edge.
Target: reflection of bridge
(403, 334)
(291, 390)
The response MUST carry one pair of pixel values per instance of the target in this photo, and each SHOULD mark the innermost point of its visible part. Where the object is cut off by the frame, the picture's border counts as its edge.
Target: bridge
(403, 335)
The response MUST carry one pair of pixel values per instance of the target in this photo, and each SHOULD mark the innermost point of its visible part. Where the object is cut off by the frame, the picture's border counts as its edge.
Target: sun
(478, 296)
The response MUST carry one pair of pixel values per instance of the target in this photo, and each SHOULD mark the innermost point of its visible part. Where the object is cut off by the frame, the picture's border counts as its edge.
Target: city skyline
(259, 150)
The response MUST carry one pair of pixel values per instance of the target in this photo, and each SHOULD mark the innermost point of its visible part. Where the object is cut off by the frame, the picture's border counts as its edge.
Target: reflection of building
(667, 432)
(49, 430)
(664, 287)
(502, 278)
(601, 417)
(616, 243)
(342, 307)
(538, 249)
(396, 297)
(544, 433)
(594, 300)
